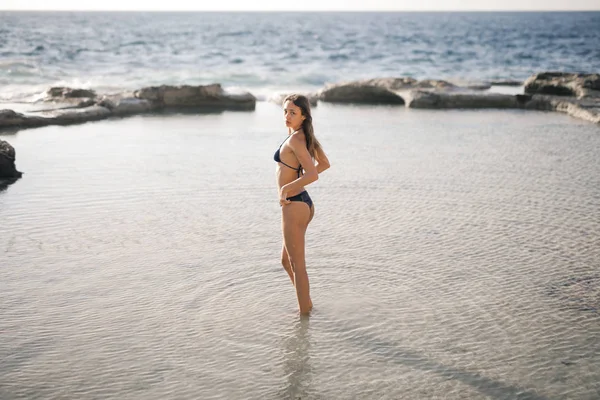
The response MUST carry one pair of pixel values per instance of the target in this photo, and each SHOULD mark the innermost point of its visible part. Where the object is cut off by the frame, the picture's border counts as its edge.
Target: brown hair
(300, 101)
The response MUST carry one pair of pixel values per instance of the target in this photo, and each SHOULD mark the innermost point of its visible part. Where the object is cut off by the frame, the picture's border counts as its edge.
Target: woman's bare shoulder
(298, 138)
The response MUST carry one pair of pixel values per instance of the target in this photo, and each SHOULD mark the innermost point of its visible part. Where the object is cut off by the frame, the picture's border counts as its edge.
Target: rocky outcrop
(126, 104)
(8, 170)
(196, 98)
(564, 84)
(405, 83)
(70, 97)
(435, 84)
(59, 116)
(431, 99)
(388, 90)
(586, 109)
(59, 93)
(77, 115)
(387, 83)
(10, 119)
(78, 105)
(577, 95)
(506, 83)
(360, 93)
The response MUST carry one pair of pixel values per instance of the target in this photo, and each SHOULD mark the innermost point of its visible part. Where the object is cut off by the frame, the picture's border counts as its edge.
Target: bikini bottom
(302, 197)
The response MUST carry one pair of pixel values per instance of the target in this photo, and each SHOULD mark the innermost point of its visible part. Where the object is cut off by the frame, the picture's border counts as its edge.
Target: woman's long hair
(312, 144)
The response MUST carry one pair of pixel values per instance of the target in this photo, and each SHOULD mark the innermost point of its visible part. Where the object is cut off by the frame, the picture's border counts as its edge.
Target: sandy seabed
(453, 255)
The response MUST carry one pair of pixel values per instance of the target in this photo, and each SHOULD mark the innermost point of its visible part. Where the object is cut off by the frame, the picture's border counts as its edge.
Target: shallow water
(453, 255)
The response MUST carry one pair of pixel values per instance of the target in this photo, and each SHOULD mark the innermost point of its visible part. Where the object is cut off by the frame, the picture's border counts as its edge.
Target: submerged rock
(8, 170)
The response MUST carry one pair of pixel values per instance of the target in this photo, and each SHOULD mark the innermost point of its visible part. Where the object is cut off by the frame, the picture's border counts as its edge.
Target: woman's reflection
(296, 363)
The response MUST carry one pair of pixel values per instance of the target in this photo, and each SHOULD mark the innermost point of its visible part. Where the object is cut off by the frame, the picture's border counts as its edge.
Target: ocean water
(452, 255)
(270, 52)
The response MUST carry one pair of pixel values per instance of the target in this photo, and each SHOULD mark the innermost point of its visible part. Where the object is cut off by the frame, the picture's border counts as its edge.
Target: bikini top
(277, 158)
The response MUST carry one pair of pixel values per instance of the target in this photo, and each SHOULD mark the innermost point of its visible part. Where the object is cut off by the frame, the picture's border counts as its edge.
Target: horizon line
(311, 11)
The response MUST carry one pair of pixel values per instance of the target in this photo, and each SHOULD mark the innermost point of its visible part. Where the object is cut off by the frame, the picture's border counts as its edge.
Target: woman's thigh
(295, 219)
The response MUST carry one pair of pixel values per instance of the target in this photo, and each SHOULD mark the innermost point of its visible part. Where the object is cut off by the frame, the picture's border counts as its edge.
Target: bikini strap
(283, 141)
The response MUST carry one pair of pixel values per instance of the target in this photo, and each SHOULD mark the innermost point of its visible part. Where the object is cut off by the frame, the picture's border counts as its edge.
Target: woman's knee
(285, 261)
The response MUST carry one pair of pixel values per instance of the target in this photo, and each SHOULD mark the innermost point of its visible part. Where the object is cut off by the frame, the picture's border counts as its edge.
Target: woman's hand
(283, 196)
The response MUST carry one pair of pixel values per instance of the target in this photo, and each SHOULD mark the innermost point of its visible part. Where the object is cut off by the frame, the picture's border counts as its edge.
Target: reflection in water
(6, 183)
(296, 363)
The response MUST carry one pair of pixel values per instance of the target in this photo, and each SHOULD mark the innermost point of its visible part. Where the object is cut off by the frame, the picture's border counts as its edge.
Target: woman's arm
(322, 161)
(311, 174)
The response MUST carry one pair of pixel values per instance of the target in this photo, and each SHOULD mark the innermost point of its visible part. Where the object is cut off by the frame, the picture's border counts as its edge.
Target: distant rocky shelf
(575, 94)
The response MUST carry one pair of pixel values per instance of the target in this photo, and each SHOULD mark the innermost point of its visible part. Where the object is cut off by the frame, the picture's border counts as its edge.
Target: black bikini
(303, 196)
(277, 158)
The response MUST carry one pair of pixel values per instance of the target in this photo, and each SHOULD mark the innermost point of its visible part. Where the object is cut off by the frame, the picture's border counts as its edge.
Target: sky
(302, 5)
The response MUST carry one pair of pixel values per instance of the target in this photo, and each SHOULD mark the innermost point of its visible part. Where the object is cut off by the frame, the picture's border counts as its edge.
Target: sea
(266, 52)
(454, 254)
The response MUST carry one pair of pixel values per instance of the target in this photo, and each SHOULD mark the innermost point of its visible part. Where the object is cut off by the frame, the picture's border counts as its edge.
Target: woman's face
(293, 115)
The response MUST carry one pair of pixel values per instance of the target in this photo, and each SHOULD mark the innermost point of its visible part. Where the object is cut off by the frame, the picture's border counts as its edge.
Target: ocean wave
(233, 34)
(10, 65)
(338, 57)
(139, 43)
(12, 71)
(34, 52)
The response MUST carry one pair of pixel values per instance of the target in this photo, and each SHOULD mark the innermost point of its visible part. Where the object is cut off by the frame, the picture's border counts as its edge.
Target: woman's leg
(295, 218)
(287, 265)
(285, 258)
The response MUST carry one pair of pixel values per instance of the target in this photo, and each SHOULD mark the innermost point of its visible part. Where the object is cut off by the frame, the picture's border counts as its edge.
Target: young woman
(300, 160)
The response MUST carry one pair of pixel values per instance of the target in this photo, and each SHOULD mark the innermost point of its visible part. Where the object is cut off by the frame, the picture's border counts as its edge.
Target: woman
(300, 160)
